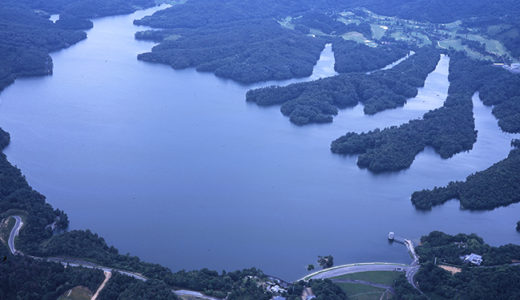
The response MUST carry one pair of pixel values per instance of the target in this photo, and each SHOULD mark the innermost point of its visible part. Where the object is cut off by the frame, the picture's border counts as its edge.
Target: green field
(381, 277)
(359, 38)
(362, 292)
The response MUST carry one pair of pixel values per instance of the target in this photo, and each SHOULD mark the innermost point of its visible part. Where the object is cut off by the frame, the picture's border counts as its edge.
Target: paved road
(356, 268)
(14, 233)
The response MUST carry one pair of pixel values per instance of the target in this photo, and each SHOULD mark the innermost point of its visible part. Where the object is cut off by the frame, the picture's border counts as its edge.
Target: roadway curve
(14, 233)
(410, 270)
(72, 262)
(356, 268)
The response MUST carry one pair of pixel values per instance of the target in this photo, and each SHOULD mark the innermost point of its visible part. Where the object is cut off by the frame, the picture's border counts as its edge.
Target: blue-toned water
(176, 167)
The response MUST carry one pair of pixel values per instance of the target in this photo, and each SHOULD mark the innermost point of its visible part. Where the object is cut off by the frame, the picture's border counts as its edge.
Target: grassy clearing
(378, 31)
(361, 292)
(381, 277)
(173, 37)
(77, 293)
(492, 46)
(358, 38)
(287, 23)
(348, 20)
(456, 44)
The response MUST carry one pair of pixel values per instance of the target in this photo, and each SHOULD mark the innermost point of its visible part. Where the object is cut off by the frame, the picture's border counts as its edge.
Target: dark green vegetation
(500, 89)
(240, 40)
(326, 261)
(27, 36)
(323, 289)
(448, 249)
(497, 279)
(23, 278)
(405, 291)
(496, 186)
(317, 101)
(354, 57)
(125, 287)
(518, 226)
(449, 129)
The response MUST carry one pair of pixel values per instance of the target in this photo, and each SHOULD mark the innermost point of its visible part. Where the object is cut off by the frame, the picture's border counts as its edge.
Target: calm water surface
(176, 167)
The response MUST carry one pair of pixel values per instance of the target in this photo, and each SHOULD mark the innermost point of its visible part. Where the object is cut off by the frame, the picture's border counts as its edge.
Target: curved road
(356, 268)
(14, 233)
(85, 264)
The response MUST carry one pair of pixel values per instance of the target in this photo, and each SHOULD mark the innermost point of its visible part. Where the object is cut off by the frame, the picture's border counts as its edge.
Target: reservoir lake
(174, 166)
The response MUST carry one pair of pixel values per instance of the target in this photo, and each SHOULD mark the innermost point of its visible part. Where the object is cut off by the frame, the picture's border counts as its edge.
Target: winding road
(72, 262)
(14, 233)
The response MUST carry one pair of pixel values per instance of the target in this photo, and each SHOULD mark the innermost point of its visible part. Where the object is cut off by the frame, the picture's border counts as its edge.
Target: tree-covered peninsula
(449, 129)
(317, 101)
(496, 186)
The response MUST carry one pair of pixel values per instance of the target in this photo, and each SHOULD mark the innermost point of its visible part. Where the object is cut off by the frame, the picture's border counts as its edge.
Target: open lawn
(382, 277)
(362, 292)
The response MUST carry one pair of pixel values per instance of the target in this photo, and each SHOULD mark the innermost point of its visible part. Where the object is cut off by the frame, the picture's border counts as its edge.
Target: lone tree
(310, 267)
(518, 226)
(326, 261)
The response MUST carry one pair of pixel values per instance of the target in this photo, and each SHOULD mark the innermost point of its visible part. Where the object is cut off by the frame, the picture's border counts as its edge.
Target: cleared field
(359, 38)
(381, 277)
(456, 44)
(492, 46)
(378, 31)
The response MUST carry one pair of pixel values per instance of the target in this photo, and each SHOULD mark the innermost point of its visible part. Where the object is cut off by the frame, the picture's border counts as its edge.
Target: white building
(473, 258)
